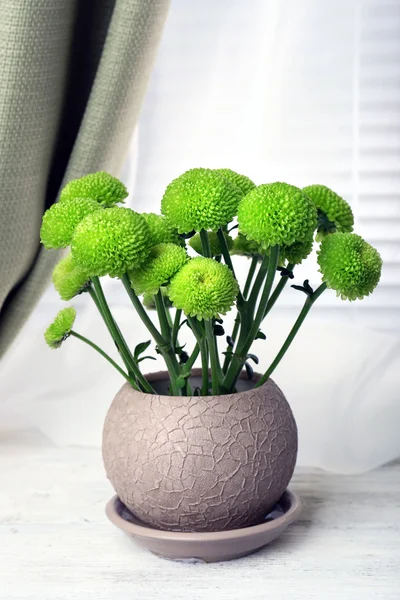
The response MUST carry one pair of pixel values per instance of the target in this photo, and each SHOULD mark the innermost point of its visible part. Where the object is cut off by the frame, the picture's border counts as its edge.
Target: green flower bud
(276, 213)
(297, 252)
(69, 280)
(334, 213)
(111, 242)
(60, 328)
(200, 199)
(60, 220)
(102, 187)
(349, 265)
(195, 243)
(149, 302)
(162, 263)
(242, 246)
(242, 182)
(161, 231)
(203, 288)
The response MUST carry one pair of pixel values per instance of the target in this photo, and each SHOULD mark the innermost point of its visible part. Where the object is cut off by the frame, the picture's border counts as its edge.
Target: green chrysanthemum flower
(200, 199)
(297, 252)
(277, 213)
(203, 288)
(111, 242)
(60, 220)
(245, 247)
(349, 265)
(102, 187)
(162, 263)
(60, 328)
(334, 213)
(161, 231)
(69, 279)
(242, 182)
(149, 302)
(215, 246)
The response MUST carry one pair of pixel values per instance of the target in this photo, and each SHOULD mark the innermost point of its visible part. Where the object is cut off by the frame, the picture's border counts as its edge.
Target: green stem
(199, 335)
(158, 338)
(163, 343)
(187, 367)
(105, 355)
(175, 326)
(205, 243)
(262, 272)
(99, 299)
(304, 312)
(227, 257)
(278, 290)
(250, 275)
(214, 362)
(245, 343)
(236, 325)
(162, 315)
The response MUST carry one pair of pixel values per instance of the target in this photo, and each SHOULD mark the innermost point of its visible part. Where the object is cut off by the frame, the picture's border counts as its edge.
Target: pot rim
(197, 372)
(145, 531)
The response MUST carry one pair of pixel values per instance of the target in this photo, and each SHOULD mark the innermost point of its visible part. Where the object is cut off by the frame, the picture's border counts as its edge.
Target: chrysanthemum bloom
(334, 213)
(111, 242)
(69, 280)
(245, 247)
(215, 246)
(60, 328)
(349, 265)
(276, 213)
(200, 199)
(102, 187)
(60, 220)
(162, 263)
(297, 252)
(242, 182)
(203, 288)
(161, 231)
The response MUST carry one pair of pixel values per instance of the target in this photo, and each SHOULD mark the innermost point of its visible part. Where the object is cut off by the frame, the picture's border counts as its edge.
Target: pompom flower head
(111, 242)
(162, 263)
(349, 265)
(69, 279)
(297, 252)
(161, 231)
(102, 187)
(215, 246)
(200, 199)
(60, 328)
(203, 288)
(276, 213)
(242, 182)
(334, 213)
(60, 220)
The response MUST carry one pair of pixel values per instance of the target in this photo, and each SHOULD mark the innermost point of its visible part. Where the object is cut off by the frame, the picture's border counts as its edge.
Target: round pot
(200, 463)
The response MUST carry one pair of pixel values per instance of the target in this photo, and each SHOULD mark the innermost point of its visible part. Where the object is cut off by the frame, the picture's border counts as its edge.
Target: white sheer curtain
(305, 91)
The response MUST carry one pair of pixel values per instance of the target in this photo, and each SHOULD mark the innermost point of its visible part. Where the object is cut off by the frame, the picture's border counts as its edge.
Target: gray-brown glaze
(200, 463)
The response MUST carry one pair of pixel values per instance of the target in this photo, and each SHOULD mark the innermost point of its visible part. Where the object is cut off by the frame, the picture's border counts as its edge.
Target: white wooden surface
(56, 544)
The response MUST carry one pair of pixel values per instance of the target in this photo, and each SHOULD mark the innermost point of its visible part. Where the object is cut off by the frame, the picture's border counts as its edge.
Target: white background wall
(303, 91)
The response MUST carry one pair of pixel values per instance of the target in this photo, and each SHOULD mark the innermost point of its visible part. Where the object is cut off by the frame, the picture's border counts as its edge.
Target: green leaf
(145, 357)
(140, 348)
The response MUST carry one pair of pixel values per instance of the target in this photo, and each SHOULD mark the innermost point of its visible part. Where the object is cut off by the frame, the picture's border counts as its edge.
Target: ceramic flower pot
(198, 463)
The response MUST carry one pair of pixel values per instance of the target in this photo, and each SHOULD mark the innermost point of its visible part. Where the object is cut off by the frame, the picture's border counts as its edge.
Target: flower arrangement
(277, 224)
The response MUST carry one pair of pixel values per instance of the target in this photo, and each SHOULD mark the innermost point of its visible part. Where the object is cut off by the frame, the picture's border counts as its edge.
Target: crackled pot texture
(200, 463)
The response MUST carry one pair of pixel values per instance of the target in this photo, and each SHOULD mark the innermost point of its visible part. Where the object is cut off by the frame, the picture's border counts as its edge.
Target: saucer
(206, 546)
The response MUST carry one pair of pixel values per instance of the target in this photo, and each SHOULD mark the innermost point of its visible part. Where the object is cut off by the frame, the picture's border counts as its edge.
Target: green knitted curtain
(72, 78)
